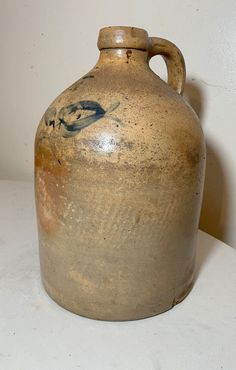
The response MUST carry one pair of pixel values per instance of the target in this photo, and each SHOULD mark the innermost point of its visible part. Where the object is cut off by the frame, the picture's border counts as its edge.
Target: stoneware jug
(119, 169)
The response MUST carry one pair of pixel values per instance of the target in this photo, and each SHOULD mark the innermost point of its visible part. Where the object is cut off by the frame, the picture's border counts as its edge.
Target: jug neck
(125, 57)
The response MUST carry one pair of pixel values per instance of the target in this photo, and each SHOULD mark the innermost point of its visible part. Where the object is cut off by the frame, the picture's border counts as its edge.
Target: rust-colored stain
(46, 201)
(49, 172)
(128, 54)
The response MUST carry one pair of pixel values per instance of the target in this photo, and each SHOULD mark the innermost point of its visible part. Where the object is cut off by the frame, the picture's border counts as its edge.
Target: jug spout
(123, 37)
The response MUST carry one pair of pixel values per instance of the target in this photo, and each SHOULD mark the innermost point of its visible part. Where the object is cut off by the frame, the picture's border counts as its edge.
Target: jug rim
(123, 37)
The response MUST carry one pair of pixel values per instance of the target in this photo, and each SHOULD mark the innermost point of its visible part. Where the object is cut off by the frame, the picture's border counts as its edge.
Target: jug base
(102, 316)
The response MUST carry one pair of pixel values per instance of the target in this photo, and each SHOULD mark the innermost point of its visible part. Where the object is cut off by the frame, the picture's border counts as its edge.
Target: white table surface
(37, 334)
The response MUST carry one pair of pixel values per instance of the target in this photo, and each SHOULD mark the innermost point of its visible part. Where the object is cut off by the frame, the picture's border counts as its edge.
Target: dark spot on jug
(88, 76)
(128, 144)
(193, 157)
(128, 54)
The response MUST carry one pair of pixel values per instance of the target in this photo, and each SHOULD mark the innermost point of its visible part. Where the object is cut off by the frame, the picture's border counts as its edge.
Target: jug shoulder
(123, 127)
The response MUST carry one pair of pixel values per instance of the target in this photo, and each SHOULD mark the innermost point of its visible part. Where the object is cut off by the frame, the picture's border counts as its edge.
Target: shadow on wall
(215, 206)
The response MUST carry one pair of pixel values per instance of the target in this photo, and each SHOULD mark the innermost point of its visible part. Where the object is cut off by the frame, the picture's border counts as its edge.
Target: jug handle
(174, 61)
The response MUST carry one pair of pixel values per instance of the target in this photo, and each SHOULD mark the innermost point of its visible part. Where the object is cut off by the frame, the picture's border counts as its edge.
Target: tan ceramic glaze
(119, 168)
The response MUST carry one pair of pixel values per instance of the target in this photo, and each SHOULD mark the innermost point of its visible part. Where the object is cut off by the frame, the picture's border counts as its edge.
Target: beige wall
(47, 45)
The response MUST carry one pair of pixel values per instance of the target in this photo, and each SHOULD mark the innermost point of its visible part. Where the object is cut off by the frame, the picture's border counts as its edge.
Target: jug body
(119, 170)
